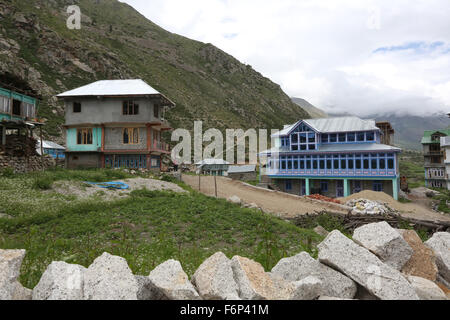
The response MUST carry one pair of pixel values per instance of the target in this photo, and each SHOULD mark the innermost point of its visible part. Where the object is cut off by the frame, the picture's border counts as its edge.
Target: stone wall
(379, 263)
(26, 164)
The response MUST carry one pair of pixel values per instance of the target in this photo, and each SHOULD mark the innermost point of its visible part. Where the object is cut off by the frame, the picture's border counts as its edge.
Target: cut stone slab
(440, 244)
(359, 264)
(146, 289)
(423, 261)
(297, 268)
(214, 279)
(310, 288)
(255, 284)
(10, 264)
(61, 281)
(21, 293)
(426, 289)
(235, 200)
(386, 242)
(172, 282)
(109, 278)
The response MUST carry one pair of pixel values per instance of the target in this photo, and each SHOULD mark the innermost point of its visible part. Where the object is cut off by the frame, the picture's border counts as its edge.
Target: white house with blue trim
(335, 157)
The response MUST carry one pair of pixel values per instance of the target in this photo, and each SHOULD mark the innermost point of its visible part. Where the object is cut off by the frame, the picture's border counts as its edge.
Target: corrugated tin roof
(242, 169)
(50, 145)
(428, 133)
(334, 125)
(133, 87)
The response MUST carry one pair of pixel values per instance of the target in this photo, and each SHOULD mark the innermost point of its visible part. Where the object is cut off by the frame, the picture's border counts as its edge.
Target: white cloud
(326, 51)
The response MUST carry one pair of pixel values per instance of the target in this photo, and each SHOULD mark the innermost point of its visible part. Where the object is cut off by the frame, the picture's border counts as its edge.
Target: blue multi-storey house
(335, 157)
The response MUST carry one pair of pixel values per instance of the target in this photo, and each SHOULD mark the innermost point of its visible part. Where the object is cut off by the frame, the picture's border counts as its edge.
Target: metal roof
(242, 169)
(134, 87)
(428, 133)
(333, 125)
(50, 145)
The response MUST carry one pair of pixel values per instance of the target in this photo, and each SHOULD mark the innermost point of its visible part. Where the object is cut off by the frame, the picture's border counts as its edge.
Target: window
(295, 163)
(76, 107)
(390, 164)
(382, 164)
(289, 162)
(358, 164)
(17, 106)
(324, 138)
(333, 137)
(351, 163)
(370, 136)
(156, 111)
(378, 186)
(351, 137)
(294, 138)
(84, 136)
(336, 164)
(374, 164)
(288, 185)
(130, 135)
(343, 164)
(324, 186)
(342, 137)
(322, 164)
(5, 106)
(130, 108)
(360, 136)
(366, 164)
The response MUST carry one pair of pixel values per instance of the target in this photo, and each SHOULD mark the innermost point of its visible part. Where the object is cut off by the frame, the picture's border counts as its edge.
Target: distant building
(52, 149)
(244, 173)
(335, 157)
(18, 120)
(115, 124)
(214, 167)
(387, 132)
(435, 158)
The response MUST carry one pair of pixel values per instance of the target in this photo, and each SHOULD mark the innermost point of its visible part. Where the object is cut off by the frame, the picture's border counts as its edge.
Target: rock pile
(370, 207)
(26, 164)
(379, 264)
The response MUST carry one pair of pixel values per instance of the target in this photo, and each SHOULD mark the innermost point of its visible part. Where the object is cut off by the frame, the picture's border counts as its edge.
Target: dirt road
(282, 204)
(288, 206)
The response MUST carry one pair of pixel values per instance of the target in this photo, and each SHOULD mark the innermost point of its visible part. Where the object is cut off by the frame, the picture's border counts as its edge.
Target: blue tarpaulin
(110, 185)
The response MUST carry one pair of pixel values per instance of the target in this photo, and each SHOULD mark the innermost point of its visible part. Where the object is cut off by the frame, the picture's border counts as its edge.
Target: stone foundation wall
(24, 164)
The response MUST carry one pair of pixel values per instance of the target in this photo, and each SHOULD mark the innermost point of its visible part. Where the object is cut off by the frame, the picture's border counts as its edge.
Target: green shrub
(169, 178)
(43, 183)
(7, 173)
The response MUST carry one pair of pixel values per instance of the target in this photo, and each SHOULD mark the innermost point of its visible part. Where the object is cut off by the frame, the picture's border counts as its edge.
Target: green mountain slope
(116, 42)
(313, 111)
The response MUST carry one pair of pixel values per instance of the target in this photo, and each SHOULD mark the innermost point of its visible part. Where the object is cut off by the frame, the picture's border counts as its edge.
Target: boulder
(423, 261)
(235, 200)
(426, 289)
(109, 278)
(172, 282)
(440, 244)
(61, 281)
(146, 289)
(321, 231)
(310, 288)
(359, 264)
(386, 242)
(21, 293)
(303, 265)
(214, 279)
(255, 284)
(10, 264)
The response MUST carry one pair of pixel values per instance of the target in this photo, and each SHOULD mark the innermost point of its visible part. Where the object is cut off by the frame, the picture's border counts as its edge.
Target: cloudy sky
(362, 57)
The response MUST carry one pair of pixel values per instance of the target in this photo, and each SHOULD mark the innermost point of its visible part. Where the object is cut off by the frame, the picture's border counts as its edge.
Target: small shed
(244, 173)
(52, 149)
(214, 167)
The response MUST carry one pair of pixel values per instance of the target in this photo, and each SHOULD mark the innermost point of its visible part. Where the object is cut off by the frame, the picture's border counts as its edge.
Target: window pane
(336, 164)
(315, 164)
(342, 137)
(370, 136)
(324, 138)
(126, 137)
(351, 163)
(322, 164)
(333, 137)
(382, 164)
(303, 147)
(308, 164)
(391, 164)
(294, 147)
(358, 163)
(302, 137)
(366, 163)
(312, 138)
(360, 136)
(294, 138)
(374, 164)
(302, 164)
(312, 147)
(343, 164)
(329, 164)
(289, 162)
(295, 163)
(351, 137)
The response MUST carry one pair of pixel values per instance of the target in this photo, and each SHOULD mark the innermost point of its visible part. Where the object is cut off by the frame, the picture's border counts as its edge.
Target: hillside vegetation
(116, 42)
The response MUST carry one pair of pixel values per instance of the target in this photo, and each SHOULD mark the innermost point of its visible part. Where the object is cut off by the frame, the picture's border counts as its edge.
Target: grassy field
(411, 166)
(147, 228)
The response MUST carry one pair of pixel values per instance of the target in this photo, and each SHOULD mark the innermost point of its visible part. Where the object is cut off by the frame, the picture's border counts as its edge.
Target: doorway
(339, 188)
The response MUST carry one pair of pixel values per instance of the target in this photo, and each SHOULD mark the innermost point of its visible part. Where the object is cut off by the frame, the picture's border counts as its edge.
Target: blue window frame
(324, 138)
(378, 186)
(324, 186)
(351, 137)
(333, 137)
(342, 137)
(288, 185)
(360, 136)
(370, 136)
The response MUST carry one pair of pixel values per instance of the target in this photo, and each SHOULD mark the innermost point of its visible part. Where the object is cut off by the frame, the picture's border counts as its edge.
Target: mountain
(116, 42)
(409, 129)
(313, 111)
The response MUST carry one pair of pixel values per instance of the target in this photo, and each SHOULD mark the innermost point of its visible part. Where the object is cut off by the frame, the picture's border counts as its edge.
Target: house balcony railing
(161, 147)
(332, 173)
(435, 153)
